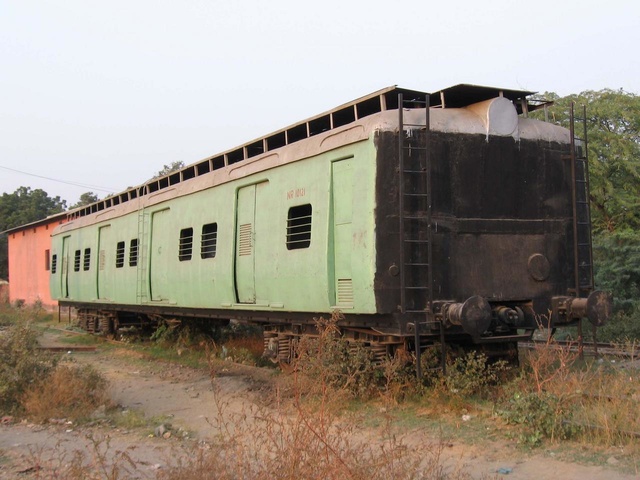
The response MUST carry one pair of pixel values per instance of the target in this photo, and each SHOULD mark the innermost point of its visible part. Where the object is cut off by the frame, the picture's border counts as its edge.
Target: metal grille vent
(299, 227)
(133, 253)
(245, 245)
(186, 244)
(345, 292)
(120, 255)
(209, 240)
(87, 259)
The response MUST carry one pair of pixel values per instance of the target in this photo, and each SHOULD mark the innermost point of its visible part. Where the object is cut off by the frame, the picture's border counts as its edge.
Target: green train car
(450, 217)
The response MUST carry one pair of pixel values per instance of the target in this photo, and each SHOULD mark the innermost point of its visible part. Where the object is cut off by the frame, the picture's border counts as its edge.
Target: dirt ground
(183, 405)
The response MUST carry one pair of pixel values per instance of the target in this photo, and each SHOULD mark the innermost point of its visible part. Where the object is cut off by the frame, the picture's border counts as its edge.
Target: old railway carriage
(461, 222)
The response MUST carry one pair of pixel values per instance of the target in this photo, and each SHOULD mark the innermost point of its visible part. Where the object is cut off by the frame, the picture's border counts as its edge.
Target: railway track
(588, 348)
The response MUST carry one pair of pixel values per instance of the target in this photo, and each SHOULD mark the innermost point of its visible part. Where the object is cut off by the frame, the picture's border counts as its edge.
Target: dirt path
(189, 404)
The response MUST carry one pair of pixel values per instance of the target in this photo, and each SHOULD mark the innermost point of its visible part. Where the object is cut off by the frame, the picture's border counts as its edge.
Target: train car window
(87, 259)
(47, 260)
(133, 253)
(299, 227)
(209, 240)
(54, 263)
(76, 261)
(120, 255)
(186, 244)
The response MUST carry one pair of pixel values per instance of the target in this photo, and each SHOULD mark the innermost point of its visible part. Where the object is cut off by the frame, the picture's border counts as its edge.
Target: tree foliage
(21, 207)
(617, 259)
(86, 198)
(613, 133)
(167, 169)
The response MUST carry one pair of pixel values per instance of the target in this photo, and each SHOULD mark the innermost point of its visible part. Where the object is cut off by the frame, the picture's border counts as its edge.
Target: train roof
(457, 96)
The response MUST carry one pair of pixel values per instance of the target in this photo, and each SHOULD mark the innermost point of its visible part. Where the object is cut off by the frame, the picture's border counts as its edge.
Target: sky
(99, 96)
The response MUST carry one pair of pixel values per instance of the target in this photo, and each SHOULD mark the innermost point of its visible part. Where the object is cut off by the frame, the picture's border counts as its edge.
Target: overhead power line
(75, 184)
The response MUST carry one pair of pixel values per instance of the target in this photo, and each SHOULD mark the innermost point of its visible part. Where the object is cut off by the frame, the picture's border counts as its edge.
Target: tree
(21, 207)
(167, 169)
(613, 131)
(86, 198)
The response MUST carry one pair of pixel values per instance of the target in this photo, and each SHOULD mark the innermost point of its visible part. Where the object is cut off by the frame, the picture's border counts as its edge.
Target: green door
(342, 195)
(245, 245)
(106, 262)
(64, 272)
(162, 255)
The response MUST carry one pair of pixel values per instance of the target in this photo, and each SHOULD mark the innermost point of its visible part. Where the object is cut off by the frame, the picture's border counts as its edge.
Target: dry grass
(558, 396)
(69, 392)
(306, 433)
(244, 349)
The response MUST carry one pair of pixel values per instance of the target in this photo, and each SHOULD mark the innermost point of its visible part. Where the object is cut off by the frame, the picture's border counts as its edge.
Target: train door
(245, 245)
(64, 271)
(162, 238)
(342, 207)
(106, 264)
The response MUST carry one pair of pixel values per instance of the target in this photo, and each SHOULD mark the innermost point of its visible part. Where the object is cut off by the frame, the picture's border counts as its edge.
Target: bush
(22, 364)
(67, 392)
(328, 361)
(472, 373)
(34, 383)
(542, 415)
(622, 327)
(617, 270)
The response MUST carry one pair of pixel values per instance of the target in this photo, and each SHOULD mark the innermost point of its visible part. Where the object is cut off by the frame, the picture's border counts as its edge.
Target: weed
(67, 392)
(557, 397)
(307, 436)
(22, 365)
(97, 461)
(331, 362)
(471, 374)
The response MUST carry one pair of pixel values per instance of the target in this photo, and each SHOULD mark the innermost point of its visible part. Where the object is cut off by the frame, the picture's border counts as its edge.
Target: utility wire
(75, 184)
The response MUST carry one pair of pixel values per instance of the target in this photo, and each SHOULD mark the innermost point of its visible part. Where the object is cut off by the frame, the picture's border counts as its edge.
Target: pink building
(30, 261)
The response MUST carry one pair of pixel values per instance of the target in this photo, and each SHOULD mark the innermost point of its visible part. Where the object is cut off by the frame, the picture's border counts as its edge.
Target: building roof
(50, 219)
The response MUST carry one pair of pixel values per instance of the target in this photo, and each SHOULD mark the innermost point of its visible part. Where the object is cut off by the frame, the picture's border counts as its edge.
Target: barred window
(76, 261)
(120, 255)
(87, 259)
(209, 240)
(133, 253)
(186, 244)
(299, 227)
(54, 263)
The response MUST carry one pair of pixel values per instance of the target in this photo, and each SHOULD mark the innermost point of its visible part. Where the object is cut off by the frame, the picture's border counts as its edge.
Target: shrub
(22, 364)
(67, 392)
(471, 373)
(328, 361)
(542, 415)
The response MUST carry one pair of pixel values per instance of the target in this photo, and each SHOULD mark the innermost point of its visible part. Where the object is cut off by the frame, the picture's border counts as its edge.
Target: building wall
(29, 264)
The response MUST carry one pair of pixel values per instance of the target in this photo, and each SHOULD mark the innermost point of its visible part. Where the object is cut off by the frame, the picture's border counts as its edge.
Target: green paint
(338, 184)
(163, 253)
(106, 257)
(342, 203)
(245, 245)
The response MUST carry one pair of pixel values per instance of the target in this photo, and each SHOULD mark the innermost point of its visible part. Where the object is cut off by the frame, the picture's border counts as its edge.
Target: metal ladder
(582, 255)
(141, 268)
(416, 292)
